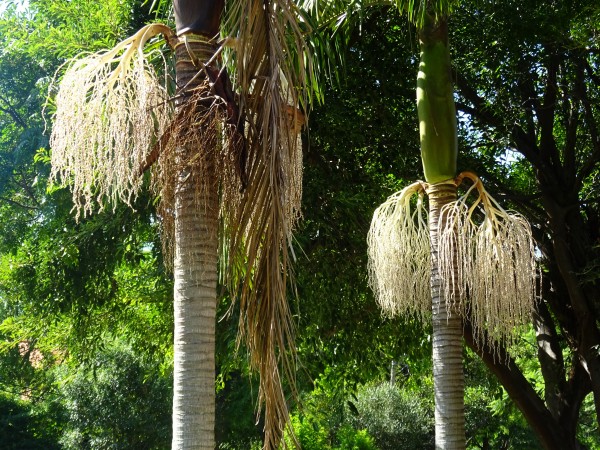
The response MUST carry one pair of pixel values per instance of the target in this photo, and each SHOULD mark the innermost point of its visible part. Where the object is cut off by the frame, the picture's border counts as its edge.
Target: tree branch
(10, 110)
(592, 161)
(524, 143)
(551, 359)
(519, 390)
(546, 111)
(20, 205)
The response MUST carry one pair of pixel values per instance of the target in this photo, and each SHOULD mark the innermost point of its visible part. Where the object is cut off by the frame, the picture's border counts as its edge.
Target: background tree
(66, 289)
(537, 105)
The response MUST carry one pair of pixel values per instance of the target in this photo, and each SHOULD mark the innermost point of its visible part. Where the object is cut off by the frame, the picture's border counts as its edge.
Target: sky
(21, 4)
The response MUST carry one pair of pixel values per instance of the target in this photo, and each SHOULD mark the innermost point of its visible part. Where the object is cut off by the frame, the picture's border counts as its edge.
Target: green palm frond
(332, 23)
(420, 12)
(336, 14)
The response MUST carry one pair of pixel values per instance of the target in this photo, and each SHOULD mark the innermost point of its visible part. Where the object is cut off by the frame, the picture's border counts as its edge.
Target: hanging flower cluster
(486, 260)
(111, 109)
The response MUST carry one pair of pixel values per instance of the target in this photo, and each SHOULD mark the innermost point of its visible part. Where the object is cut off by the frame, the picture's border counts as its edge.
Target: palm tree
(227, 166)
(465, 258)
(427, 294)
(481, 263)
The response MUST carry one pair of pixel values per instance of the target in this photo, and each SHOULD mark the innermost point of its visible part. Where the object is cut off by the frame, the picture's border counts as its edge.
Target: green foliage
(320, 421)
(25, 426)
(63, 28)
(352, 162)
(350, 439)
(401, 416)
(490, 427)
(313, 435)
(119, 402)
(492, 419)
(588, 432)
(55, 274)
(98, 276)
(68, 289)
(236, 426)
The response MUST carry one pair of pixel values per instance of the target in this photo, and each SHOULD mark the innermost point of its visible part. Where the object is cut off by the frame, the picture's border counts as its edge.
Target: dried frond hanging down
(274, 76)
(489, 255)
(110, 111)
(399, 254)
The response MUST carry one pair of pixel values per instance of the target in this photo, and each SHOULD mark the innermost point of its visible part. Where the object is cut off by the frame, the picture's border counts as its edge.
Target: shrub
(397, 419)
(351, 439)
(122, 403)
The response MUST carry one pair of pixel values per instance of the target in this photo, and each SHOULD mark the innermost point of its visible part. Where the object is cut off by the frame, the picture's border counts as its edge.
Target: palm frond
(421, 12)
(333, 22)
(276, 79)
(339, 14)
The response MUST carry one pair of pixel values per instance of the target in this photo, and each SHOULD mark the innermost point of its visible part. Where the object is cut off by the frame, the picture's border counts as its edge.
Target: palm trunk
(448, 378)
(196, 200)
(195, 272)
(439, 149)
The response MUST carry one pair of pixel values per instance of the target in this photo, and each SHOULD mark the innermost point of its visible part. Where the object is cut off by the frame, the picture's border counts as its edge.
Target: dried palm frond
(273, 75)
(110, 110)
(488, 254)
(399, 254)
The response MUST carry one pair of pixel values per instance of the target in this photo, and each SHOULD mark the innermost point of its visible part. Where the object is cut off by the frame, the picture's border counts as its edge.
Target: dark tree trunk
(567, 235)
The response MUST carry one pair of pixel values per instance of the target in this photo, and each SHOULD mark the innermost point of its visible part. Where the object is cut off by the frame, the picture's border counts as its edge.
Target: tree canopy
(86, 307)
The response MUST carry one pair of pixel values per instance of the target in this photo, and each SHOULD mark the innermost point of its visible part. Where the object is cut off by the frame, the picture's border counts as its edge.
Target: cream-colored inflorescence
(486, 258)
(399, 254)
(110, 110)
(488, 254)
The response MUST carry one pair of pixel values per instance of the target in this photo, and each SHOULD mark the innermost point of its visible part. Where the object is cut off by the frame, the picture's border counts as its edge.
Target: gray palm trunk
(448, 377)
(195, 296)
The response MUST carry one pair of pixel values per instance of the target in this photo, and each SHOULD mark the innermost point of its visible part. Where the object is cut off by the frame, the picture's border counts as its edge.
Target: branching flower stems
(486, 255)
(495, 268)
(399, 256)
(110, 110)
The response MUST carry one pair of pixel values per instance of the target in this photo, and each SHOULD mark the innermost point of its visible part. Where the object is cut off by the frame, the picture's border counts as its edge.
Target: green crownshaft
(435, 104)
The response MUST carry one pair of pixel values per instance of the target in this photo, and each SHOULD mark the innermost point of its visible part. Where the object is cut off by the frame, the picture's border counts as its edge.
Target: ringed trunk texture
(195, 273)
(448, 377)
